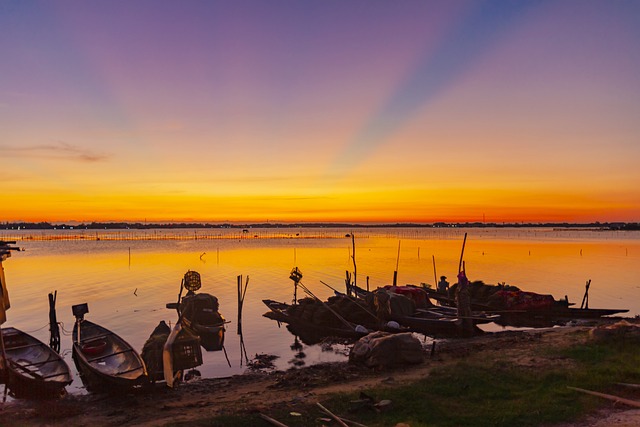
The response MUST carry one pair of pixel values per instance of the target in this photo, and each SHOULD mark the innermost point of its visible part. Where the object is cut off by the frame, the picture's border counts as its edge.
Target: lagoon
(128, 276)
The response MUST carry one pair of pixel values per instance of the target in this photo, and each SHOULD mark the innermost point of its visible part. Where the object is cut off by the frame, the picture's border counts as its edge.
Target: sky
(333, 111)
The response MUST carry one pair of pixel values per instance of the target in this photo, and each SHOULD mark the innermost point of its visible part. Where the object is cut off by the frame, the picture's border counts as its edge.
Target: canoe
(33, 369)
(104, 360)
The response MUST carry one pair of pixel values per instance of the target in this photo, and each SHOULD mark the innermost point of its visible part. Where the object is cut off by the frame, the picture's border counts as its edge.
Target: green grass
(486, 393)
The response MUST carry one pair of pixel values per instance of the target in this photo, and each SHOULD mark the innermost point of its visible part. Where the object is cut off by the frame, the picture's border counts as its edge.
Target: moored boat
(308, 328)
(33, 370)
(104, 360)
(522, 308)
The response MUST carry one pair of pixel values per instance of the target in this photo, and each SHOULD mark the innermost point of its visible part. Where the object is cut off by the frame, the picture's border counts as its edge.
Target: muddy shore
(295, 389)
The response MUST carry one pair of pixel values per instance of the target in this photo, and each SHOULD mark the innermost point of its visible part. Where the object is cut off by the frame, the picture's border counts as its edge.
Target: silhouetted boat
(427, 318)
(520, 308)
(310, 331)
(33, 369)
(200, 316)
(104, 360)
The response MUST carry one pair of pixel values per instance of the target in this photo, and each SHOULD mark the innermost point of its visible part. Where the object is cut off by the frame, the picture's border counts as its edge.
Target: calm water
(106, 273)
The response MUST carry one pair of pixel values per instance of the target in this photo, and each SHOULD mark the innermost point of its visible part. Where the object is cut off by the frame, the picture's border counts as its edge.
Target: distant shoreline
(15, 226)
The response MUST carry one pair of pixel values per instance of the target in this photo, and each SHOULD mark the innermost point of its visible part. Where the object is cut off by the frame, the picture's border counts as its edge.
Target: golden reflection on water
(128, 283)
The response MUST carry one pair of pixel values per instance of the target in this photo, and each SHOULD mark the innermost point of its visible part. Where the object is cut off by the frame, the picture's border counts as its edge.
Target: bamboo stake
(616, 399)
(395, 273)
(435, 276)
(585, 298)
(353, 255)
(462, 253)
(332, 415)
(272, 421)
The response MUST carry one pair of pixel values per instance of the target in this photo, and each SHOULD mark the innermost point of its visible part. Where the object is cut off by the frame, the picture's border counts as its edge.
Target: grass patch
(487, 393)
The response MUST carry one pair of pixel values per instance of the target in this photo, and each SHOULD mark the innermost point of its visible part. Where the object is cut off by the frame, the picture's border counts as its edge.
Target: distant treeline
(147, 226)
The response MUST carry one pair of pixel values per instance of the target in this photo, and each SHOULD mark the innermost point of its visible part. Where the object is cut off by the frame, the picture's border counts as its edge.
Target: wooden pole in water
(239, 331)
(585, 298)
(395, 273)
(462, 253)
(435, 276)
(353, 256)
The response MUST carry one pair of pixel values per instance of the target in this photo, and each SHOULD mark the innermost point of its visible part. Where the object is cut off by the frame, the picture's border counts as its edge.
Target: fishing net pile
(381, 349)
(506, 297)
(324, 313)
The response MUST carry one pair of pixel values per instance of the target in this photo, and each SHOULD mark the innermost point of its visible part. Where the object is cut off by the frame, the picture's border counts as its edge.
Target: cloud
(57, 150)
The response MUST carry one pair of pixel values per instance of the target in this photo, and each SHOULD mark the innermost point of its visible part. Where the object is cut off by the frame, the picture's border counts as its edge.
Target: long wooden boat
(432, 320)
(557, 312)
(33, 369)
(104, 360)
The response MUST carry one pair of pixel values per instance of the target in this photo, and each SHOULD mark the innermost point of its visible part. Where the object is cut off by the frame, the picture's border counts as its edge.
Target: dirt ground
(263, 391)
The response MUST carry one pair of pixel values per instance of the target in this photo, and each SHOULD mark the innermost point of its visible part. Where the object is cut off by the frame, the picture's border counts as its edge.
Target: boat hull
(104, 360)
(34, 371)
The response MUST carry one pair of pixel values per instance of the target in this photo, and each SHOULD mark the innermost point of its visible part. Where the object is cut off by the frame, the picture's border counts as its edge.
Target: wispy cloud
(56, 150)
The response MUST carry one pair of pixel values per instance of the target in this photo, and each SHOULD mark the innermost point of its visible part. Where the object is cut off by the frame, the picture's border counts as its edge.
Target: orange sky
(364, 112)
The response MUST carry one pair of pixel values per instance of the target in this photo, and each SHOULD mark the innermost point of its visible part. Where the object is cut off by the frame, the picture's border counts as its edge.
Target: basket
(192, 281)
(186, 352)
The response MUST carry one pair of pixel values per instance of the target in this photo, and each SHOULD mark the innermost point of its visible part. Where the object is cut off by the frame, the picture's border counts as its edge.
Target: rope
(36, 330)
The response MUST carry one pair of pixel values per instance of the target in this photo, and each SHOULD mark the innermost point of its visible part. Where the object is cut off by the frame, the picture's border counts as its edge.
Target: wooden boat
(432, 320)
(311, 332)
(104, 360)
(540, 315)
(200, 316)
(33, 369)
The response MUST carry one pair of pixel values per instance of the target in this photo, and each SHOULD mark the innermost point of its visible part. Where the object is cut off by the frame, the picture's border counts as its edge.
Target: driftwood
(616, 399)
(332, 415)
(272, 421)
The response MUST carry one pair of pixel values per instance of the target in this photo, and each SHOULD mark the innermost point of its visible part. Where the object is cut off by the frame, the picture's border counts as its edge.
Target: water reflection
(127, 283)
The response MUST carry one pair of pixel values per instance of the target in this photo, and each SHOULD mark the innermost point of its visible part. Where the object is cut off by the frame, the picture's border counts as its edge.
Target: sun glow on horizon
(367, 112)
